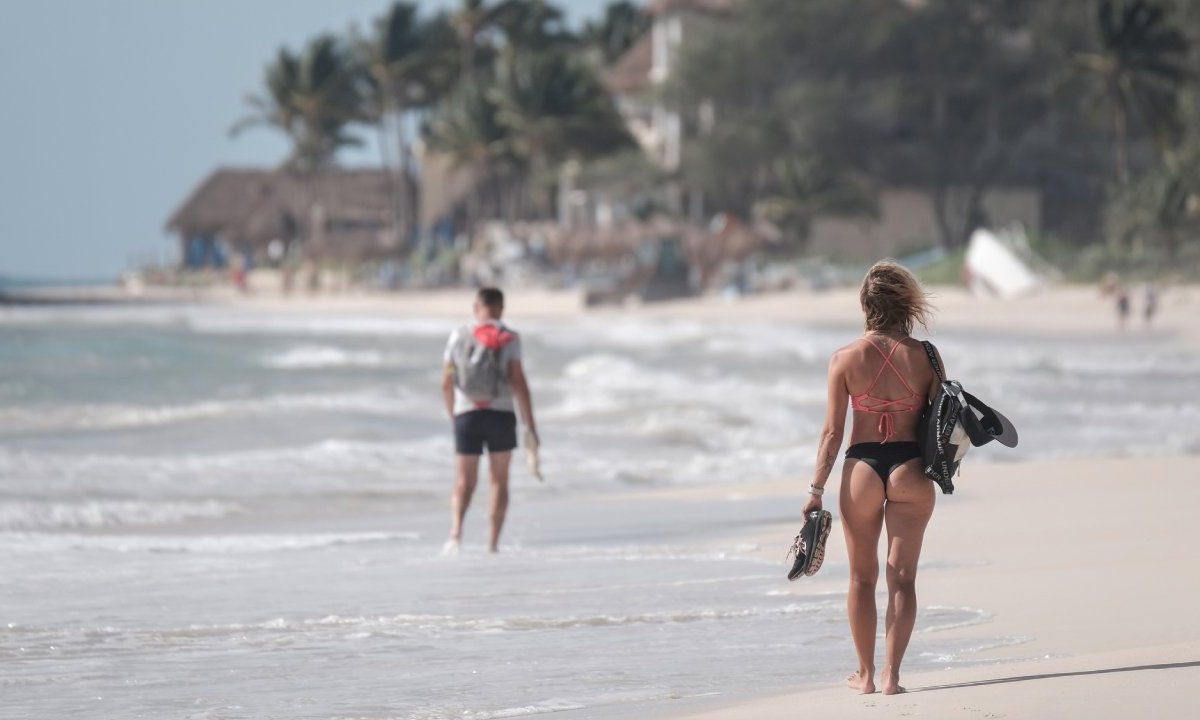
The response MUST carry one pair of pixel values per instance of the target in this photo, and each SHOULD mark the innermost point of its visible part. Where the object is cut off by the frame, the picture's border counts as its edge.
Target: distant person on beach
(1112, 287)
(1150, 308)
(886, 377)
(483, 385)
(1122, 307)
(239, 275)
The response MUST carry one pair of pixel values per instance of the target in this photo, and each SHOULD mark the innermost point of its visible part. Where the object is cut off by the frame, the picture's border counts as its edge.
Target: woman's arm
(831, 433)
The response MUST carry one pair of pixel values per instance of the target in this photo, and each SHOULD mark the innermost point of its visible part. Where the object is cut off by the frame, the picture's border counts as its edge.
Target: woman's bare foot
(864, 682)
(891, 683)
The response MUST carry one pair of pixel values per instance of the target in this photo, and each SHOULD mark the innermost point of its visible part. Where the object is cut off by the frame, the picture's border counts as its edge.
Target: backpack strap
(932, 353)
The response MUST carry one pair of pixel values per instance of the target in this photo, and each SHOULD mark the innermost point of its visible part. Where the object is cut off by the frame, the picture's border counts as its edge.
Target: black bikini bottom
(884, 458)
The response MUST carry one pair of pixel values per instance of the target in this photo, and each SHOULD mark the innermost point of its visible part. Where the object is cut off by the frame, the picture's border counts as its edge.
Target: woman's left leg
(909, 506)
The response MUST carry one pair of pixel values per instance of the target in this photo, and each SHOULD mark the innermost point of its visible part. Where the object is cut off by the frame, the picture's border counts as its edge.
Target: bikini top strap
(887, 363)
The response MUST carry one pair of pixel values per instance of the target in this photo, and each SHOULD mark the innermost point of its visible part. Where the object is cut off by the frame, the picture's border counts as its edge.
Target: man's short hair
(491, 298)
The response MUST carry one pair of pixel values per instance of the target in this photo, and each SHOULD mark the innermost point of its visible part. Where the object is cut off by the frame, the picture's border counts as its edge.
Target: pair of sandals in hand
(809, 545)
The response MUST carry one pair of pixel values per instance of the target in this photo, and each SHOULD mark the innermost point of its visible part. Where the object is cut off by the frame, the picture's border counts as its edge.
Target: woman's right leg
(861, 501)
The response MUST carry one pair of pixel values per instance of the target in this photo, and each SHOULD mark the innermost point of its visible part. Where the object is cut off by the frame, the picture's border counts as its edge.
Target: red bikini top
(868, 403)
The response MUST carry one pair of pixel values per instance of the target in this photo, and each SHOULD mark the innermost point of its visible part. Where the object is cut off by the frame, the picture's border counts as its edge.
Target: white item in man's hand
(531, 454)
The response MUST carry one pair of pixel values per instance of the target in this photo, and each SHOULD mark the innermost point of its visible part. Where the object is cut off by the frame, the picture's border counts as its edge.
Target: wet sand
(1088, 564)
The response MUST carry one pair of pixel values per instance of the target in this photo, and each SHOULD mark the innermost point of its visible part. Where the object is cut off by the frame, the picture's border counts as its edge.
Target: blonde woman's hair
(892, 299)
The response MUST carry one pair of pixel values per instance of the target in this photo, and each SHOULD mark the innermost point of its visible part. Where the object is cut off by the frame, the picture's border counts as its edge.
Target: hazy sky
(113, 110)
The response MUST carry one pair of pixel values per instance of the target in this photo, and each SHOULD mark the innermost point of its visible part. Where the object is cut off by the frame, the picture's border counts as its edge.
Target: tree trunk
(937, 198)
(466, 54)
(393, 188)
(405, 210)
(473, 200)
(413, 185)
(1120, 141)
(972, 214)
(512, 199)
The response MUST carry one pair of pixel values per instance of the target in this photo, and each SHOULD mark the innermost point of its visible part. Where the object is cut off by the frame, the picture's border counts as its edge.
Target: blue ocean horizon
(27, 282)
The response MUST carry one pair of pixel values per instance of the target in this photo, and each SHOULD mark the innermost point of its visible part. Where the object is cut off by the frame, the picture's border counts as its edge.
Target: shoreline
(1095, 612)
(1080, 575)
(1070, 310)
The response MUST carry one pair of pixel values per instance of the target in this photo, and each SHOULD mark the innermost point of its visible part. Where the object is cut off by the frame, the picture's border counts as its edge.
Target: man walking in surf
(483, 386)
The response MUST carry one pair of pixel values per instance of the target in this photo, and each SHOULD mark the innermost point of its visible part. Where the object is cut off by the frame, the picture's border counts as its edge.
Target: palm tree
(411, 61)
(1143, 66)
(442, 71)
(406, 68)
(533, 25)
(467, 128)
(807, 187)
(536, 111)
(624, 22)
(554, 107)
(392, 58)
(312, 98)
(472, 19)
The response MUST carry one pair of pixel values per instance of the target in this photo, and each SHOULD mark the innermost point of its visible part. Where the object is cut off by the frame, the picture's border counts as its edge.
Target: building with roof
(646, 66)
(266, 216)
(907, 219)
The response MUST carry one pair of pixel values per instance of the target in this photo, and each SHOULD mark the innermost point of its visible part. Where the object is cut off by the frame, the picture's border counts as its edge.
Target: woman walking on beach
(886, 377)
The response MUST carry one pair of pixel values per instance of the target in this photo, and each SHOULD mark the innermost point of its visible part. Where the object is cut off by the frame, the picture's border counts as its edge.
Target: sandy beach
(292, 518)
(1062, 309)
(1088, 563)
(1085, 563)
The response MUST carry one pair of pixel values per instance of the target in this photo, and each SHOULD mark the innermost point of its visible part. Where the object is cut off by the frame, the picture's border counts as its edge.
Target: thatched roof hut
(337, 214)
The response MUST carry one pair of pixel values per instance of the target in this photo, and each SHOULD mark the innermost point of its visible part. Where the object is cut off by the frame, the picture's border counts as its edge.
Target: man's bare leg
(464, 487)
(498, 464)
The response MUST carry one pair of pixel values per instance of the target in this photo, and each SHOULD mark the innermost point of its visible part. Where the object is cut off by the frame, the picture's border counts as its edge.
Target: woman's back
(888, 382)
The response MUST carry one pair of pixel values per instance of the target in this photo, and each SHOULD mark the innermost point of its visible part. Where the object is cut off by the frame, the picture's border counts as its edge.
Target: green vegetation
(947, 271)
(791, 109)
(502, 88)
(312, 97)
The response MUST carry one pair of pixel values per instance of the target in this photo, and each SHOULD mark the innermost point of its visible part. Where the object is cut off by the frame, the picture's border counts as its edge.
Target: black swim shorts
(475, 429)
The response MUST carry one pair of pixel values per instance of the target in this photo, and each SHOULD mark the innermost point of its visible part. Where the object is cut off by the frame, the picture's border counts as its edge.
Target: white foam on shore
(313, 357)
(227, 321)
(91, 514)
(959, 657)
(546, 706)
(404, 624)
(390, 401)
(200, 544)
(830, 612)
(325, 466)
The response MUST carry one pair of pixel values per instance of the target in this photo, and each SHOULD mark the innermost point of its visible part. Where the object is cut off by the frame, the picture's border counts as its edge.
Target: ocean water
(218, 513)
